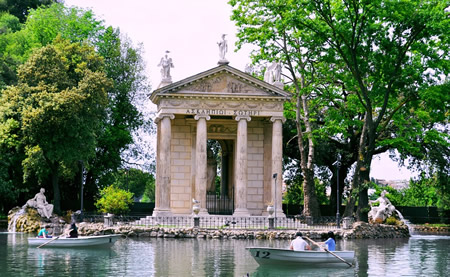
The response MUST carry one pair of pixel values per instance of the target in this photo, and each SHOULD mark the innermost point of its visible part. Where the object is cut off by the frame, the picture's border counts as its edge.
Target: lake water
(417, 256)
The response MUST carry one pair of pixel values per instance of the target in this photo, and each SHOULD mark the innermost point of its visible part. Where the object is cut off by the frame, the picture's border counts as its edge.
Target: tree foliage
(57, 108)
(20, 8)
(380, 64)
(123, 64)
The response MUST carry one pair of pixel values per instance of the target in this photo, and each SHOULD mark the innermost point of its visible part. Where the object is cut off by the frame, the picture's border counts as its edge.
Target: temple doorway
(219, 193)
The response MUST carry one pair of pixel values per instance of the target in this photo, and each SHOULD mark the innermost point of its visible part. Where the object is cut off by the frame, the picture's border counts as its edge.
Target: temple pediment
(220, 83)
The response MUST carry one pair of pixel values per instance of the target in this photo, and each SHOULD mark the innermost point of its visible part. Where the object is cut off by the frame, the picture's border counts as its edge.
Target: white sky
(190, 30)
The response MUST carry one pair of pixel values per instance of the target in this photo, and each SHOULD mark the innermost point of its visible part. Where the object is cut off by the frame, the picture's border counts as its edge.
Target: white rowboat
(267, 255)
(105, 240)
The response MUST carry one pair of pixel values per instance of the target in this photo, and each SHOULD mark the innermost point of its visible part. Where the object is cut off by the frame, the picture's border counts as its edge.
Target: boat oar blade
(318, 245)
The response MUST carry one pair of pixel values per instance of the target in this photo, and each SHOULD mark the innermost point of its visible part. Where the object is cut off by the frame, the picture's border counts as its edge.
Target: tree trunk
(56, 193)
(310, 203)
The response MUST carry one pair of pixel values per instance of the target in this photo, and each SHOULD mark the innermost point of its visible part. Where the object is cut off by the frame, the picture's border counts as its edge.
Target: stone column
(201, 162)
(240, 194)
(163, 169)
(277, 158)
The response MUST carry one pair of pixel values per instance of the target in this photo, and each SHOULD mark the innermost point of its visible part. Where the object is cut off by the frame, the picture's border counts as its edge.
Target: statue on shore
(384, 210)
(166, 63)
(40, 203)
(223, 49)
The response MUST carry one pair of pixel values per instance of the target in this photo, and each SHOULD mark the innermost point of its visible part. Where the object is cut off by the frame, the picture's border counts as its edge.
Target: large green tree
(20, 8)
(386, 57)
(122, 63)
(57, 106)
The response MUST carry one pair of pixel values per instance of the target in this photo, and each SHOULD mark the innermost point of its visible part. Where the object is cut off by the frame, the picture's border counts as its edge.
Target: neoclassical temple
(245, 116)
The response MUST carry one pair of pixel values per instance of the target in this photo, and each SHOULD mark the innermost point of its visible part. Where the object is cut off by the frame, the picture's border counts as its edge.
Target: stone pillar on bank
(163, 165)
(277, 166)
(201, 162)
(240, 194)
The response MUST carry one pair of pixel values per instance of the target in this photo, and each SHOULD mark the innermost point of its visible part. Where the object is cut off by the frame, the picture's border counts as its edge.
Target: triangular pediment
(223, 81)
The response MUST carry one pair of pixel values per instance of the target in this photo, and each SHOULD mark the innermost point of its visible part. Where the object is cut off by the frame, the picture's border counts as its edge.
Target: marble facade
(245, 115)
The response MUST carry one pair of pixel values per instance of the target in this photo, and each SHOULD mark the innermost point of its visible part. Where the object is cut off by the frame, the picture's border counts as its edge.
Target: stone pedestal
(108, 220)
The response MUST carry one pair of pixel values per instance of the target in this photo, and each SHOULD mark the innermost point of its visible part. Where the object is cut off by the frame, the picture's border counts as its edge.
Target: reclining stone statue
(40, 203)
(384, 210)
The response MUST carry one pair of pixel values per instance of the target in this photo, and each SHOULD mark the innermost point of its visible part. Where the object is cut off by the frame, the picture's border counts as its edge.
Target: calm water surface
(417, 256)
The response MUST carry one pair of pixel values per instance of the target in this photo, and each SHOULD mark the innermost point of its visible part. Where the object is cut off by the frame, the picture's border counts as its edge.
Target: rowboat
(267, 255)
(105, 240)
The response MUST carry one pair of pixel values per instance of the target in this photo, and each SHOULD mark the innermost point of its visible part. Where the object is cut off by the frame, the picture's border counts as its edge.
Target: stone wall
(255, 187)
(181, 167)
(360, 230)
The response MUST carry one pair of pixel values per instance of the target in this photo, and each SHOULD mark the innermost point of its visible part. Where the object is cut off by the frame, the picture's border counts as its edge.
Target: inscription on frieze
(223, 112)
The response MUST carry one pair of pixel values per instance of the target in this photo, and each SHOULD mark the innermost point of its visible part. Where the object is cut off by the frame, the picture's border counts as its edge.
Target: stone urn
(196, 209)
(270, 210)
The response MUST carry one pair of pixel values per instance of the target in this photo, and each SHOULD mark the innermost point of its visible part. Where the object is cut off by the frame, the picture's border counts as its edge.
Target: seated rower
(298, 244)
(43, 233)
(73, 231)
(330, 243)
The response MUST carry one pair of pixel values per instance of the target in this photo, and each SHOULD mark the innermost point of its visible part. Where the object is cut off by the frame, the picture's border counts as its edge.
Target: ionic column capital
(160, 116)
(205, 116)
(275, 118)
(245, 117)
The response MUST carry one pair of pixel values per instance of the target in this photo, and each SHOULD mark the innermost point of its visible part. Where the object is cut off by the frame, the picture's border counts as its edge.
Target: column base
(161, 212)
(280, 213)
(241, 212)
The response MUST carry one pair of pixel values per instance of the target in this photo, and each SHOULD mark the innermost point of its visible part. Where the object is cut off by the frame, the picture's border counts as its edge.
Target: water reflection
(417, 256)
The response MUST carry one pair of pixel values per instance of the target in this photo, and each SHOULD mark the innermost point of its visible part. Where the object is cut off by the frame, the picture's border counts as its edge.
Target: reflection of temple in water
(242, 117)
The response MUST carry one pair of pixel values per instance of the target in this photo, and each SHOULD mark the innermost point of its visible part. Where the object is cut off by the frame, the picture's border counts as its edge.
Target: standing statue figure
(166, 63)
(223, 49)
(273, 73)
(277, 72)
(384, 210)
(40, 203)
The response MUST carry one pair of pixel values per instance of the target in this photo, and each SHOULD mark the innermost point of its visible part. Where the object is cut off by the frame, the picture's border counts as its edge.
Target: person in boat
(73, 231)
(299, 244)
(43, 233)
(330, 243)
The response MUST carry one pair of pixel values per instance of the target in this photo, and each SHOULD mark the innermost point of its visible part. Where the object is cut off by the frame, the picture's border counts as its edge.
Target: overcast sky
(190, 30)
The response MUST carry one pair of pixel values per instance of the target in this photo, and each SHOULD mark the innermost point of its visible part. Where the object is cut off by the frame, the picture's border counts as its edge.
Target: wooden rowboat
(105, 240)
(278, 256)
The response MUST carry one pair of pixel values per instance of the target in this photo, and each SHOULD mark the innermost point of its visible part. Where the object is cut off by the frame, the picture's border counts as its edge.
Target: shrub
(114, 200)
(392, 221)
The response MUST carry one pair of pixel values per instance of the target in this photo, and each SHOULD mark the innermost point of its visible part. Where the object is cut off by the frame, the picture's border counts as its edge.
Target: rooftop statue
(223, 49)
(40, 203)
(166, 63)
(273, 73)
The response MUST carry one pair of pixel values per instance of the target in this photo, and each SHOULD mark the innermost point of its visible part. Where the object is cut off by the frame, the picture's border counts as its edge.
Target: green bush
(392, 221)
(114, 200)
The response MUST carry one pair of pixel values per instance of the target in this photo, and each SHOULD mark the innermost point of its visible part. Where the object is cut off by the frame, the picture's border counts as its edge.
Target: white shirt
(298, 244)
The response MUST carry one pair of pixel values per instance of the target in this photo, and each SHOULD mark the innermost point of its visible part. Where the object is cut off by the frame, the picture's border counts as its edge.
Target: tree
(57, 107)
(269, 25)
(20, 8)
(122, 63)
(386, 55)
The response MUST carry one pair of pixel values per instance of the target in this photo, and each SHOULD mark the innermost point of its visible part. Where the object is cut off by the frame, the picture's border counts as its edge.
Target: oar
(328, 251)
(53, 239)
